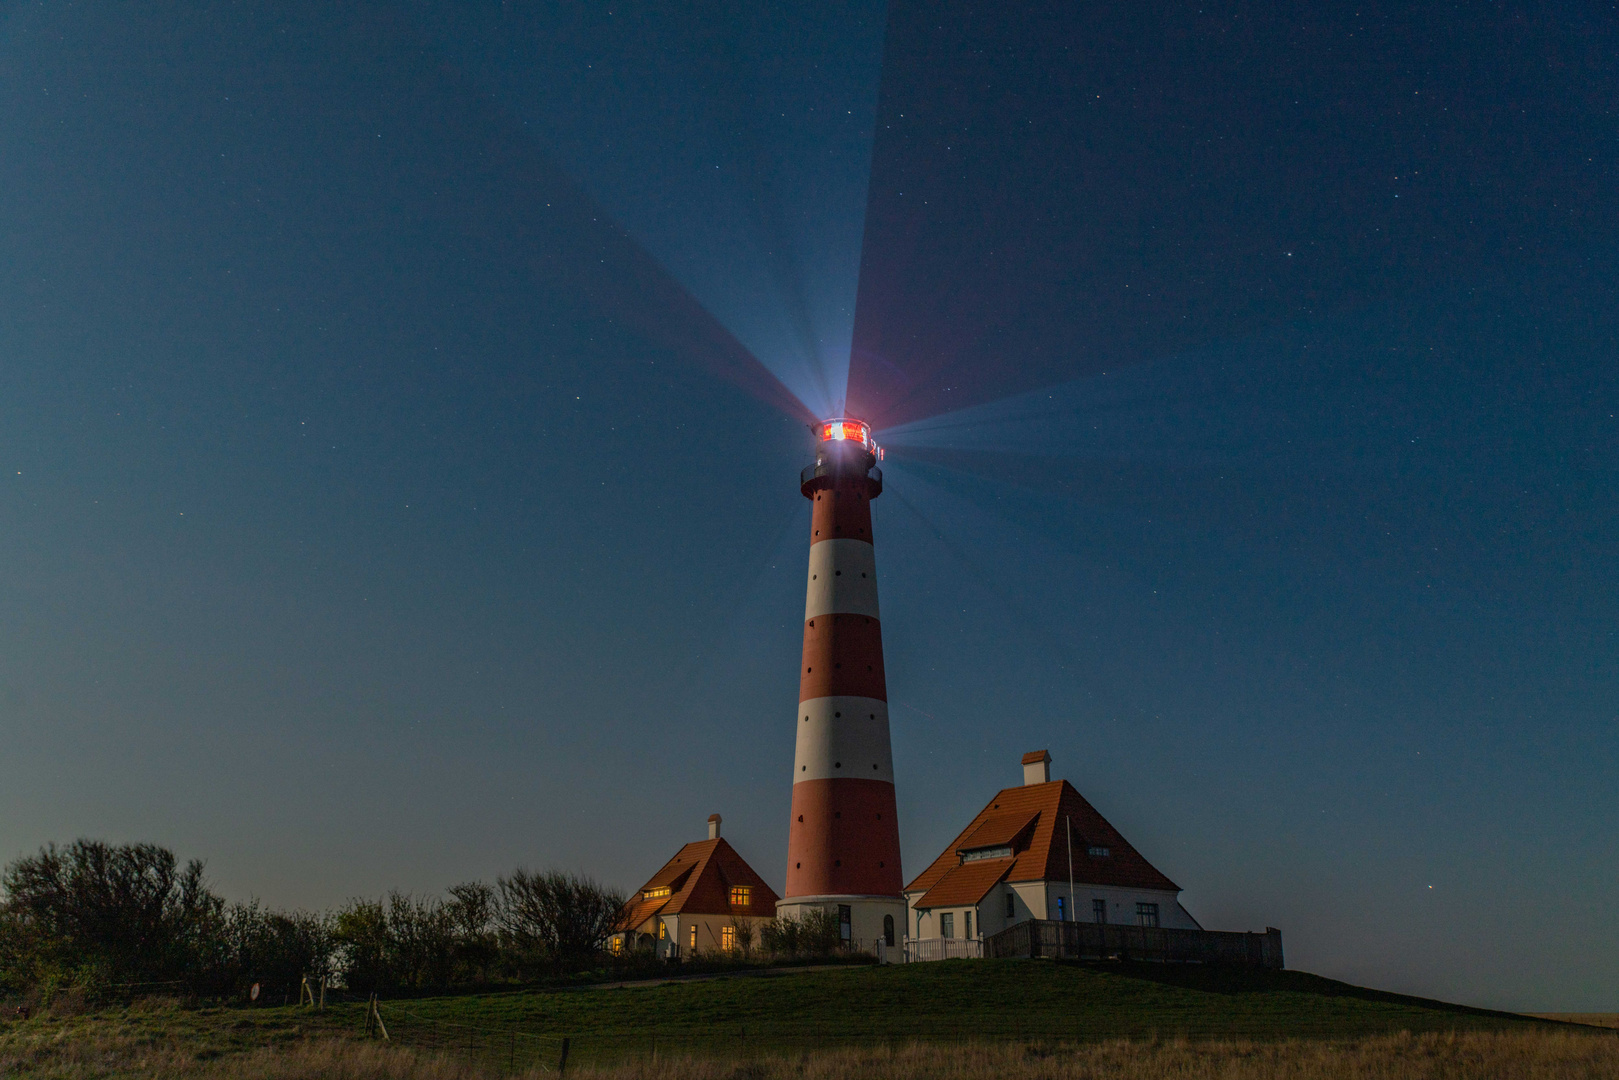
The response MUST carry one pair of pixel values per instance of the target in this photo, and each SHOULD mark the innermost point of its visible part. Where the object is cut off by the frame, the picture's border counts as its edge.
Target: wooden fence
(1106, 941)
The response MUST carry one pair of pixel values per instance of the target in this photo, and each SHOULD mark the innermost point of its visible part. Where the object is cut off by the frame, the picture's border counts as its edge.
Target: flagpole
(1073, 911)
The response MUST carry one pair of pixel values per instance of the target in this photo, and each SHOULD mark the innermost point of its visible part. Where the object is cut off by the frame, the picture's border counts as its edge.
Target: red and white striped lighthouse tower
(843, 841)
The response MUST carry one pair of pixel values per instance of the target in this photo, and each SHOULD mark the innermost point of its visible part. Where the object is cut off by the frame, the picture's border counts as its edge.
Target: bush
(109, 917)
(816, 933)
(129, 920)
(555, 919)
(272, 948)
(360, 932)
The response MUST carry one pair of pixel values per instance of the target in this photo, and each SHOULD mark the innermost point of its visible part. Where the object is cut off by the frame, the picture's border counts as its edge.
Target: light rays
(755, 200)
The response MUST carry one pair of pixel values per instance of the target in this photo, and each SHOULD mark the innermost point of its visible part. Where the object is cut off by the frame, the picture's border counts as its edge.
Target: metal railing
(1106, 941)
(933, 948)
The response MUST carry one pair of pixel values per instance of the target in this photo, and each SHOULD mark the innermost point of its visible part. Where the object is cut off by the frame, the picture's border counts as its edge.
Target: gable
(1042, 853)
(699, 880)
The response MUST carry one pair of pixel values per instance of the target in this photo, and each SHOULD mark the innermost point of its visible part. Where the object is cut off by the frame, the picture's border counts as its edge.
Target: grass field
(752, 1027)
(952, 1001)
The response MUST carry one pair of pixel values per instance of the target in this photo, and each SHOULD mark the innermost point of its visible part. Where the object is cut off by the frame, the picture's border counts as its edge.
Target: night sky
(401, 411)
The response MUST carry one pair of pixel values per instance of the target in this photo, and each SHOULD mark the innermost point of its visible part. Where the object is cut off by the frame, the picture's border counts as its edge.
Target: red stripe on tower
(843, 840)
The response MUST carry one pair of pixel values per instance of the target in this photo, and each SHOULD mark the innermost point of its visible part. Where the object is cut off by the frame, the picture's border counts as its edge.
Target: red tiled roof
(966, 884)
(998, 830)
(1043, 854)
(700, 878)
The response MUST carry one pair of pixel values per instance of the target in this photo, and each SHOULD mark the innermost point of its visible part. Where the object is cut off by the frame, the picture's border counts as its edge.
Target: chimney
(1036, 767)
(713, 826)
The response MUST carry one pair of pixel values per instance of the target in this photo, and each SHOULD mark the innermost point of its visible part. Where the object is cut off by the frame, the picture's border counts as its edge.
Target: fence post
(562, 1066)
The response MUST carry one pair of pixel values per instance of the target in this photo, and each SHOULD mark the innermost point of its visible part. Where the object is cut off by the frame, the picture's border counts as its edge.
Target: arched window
(888, 930)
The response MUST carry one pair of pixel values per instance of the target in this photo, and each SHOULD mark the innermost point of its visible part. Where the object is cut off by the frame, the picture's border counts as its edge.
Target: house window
(1002, 852)
(728, 938)
(740, 895)
(947, 924)
(694, 938)
(663, 930)
(967, 923)
(1099, 910)
(845, 921)
(1011, 904)
(1099, 853)
(1146, 914)
(1062, 909)
(616, 945)
(653, 894)
(888, 930)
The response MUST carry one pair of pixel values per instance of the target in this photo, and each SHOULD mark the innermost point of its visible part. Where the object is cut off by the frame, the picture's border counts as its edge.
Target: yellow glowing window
(663, 930)
(728, 938)
(740, 895)
(694, 939)
(653, 894)
(617, 945)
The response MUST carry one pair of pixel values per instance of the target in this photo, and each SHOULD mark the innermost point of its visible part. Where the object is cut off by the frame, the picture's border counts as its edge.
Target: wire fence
(513, 1049)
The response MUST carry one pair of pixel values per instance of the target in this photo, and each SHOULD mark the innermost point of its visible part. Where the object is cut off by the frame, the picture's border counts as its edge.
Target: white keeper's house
(696, 903)
(1038, 851)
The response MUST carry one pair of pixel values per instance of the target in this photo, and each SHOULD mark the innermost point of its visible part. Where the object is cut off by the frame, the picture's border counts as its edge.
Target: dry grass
(1607, 1020)
(1432, 1056)
(1541, 1054)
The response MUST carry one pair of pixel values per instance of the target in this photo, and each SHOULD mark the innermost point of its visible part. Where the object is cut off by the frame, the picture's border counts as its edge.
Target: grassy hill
(769, 1013)
(952, 1001)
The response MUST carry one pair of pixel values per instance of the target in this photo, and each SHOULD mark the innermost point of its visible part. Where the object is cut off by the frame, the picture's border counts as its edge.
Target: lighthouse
(843, 840)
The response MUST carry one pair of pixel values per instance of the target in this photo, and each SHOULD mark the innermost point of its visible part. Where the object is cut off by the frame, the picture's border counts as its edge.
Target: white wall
(1038, 900)
(865, 915)
(1121, 904)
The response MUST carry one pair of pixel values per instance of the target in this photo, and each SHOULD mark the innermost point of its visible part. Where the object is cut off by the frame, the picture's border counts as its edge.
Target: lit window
(1062, 909)
(728, 938)
(740, 895)
(663, 930)
(1146, 914)
(1099, 853)
(653, 894)
(947, 924)
(694, 939)
(616, 945)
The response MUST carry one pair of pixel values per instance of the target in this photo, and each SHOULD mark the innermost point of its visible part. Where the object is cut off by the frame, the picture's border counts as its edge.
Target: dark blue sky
(401, 411)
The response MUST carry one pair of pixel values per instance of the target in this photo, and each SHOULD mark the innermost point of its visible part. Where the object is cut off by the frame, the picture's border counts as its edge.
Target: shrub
(816, 933)
(555, 919)
(111, 916)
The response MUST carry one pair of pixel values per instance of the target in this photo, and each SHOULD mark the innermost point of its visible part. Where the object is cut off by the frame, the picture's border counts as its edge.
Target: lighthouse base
(864, 920)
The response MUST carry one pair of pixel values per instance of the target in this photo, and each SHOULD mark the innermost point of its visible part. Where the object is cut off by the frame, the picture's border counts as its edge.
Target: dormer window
(1002, 852)
(654, 894)
(1099, 852)
(740, 895)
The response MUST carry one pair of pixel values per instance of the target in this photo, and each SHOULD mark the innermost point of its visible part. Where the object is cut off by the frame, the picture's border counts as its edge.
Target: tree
(555, 917)
(360, 932)
(472, 908)
(421, 941)
(115, 915)
(275, 949)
